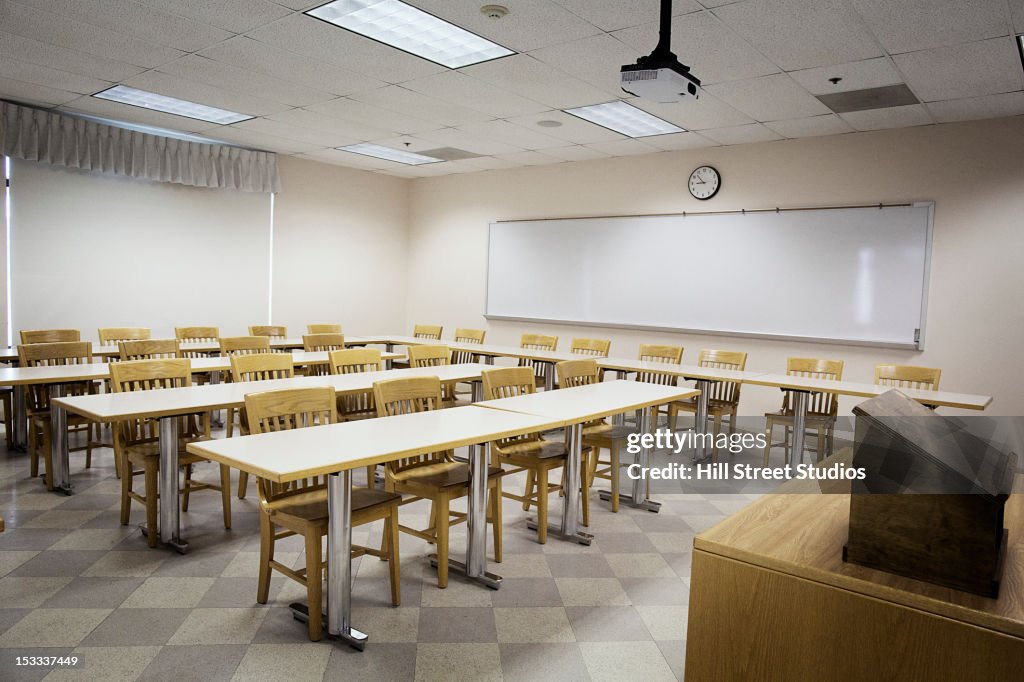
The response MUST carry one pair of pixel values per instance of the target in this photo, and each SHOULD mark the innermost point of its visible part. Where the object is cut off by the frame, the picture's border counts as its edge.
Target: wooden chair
(323, 329)
(598, 348)
(321, 342)
(650, 352)
(467, 336)
(436, 356)
(908, 376)
(241, 345)
(822, 408)
(723, 396)
(113, 335)
(300, 507)
(274, 330)
(427, 331)
(256, 367)
(436, 476)
(6, 398)
(37, 402)
(196, 335)
(530, 452)
(355, 406)
(149, 349)
(49, 335)
(537, 342)
(137, 442)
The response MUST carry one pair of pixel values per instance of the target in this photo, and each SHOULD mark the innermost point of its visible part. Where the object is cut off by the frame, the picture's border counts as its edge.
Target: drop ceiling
(312, 87)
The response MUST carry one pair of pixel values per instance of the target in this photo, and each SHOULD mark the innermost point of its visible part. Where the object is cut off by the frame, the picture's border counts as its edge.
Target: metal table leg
(569, 528)
(549, 376)
(20, 418)
(59, 442)
(799, 424)
(339, 561)
(216, 421)
(700, 453)
(170, 514)
(637, 498)
(619, 419)
(488, 359)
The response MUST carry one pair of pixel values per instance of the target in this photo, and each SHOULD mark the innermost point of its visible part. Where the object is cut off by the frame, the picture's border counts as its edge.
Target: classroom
(536, 340)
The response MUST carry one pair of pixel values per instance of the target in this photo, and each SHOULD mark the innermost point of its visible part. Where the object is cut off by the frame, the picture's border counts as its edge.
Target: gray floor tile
(382, 661)
(137, 627)
(466, 624)
(527, 592)
(102, 593)
(58, 563)
(675, 656)
(29, 538)
(207, 663)
(619, 543)
(198, 565)
(550, 661)
(607, 624)
(656, 591)
(13, 673)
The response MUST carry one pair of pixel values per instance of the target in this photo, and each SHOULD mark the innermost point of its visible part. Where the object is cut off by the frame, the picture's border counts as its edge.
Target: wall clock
(704, 182)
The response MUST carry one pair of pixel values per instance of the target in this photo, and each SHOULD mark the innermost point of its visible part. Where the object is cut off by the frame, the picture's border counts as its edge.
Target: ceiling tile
(51, 78)
(261, 141)
(75, 35)
(530, 158)
(769, 98)
(399, 98)
(314, 38)
(473, 93)
(801, 34)
(531, 78)
(754, 132)
(867, 73)
(494, 163)
(367, 115)
(508, 133)
(530, 24)
(353, 160)
(236, 16)
(299, 4)
(623, 147)
(72, 61)
(982, 68)
(246, 53)
(136, 20)
(894, 117)
(220, 75)
(572, 128)
(595, 60)
(611, 16)
(911, 25)
(1017, 15)
(575, 153)
(194, 91)
(676, 141)
(971, 108)
(289, 131)
(453, 137)
(31, 93)
(706, 112)
(129, 114)
(701, 41)
(812, 126)
(329, 124)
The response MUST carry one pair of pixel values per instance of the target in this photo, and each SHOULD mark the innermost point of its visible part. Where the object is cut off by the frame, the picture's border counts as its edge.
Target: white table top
(116, 406)
(936, 398)
(280, 343)
(291, 455)
(685, 371)
(583, 403)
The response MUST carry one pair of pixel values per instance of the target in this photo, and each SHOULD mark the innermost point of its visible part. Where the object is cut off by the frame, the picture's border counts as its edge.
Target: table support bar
(59, 442)
(170, 517)
(339, 562)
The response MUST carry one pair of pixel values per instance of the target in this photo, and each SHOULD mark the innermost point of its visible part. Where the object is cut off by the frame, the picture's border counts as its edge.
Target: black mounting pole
(665, 30)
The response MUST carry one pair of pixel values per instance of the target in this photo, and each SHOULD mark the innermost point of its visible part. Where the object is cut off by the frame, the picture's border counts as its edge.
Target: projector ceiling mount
(660, 76)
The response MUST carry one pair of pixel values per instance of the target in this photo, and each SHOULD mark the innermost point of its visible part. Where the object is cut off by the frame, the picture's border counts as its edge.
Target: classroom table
(168, 404)
(336, 449)
(580, 404)
(801, 387)
(276, 343)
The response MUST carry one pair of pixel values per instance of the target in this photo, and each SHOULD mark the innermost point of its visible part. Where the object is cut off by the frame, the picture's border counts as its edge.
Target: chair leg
(672, 420)
(48, 458)
(768, 427)
(229, 422)
(542, 505)
(441, 505)
(496, 519)
(126, 490)
(150, 470)
(243, 483)
(225, 493)
(266, 556)
(718, 428)
(528, 490)
(785, 443)
(315, 582)
(820, 454)
(188, 488)
(33, 450)
(585, 486)
(614, 457)
(371, 473)
(394, 570)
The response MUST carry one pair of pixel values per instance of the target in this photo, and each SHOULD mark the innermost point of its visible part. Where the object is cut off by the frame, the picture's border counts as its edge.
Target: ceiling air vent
(450, 154)
(870, 98)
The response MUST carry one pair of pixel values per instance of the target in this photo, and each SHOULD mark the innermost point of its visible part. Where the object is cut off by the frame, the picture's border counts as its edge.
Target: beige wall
(974, 172)
(340, 242)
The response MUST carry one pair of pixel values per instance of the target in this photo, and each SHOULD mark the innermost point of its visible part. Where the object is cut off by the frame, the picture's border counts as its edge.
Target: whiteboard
(841, 275)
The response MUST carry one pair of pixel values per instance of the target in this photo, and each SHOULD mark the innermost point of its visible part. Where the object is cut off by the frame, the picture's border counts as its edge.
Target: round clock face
(704, 182)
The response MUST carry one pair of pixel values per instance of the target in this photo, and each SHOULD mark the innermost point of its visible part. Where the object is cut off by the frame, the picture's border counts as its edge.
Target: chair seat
(604, 437)
(439, 474)
(536, 449)
(787, 416)
(143, 450)
(691, 404)
(312, 506)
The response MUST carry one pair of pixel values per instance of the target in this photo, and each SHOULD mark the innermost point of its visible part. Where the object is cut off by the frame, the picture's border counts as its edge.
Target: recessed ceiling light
(412, 30)
(625, 118)
(548, 123)
(494, 11)
(388, 154)
(170, 105)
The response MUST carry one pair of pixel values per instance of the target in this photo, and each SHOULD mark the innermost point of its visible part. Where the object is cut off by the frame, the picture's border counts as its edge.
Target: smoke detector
(494, 11)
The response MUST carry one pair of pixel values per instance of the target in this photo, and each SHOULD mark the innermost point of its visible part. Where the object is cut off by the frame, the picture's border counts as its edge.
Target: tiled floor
(72, 579)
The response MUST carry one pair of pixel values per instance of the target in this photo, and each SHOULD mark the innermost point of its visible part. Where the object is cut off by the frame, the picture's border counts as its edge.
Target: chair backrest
(244, 345)
(509, 382)
(325, 341)
(197, 334)
(275, 330)
(283, 410)
(50, 335)
(577, 373)
(149, 349)
(908, 376)
(262, 366)
(429, 356)
(427, 331)
(468, 336)
(536, 342)
(723, 391)
(111, 335)
(595, 347)
(405, 396)
(323, 329)
(52, 354)
(354, 361)
(650, 352)
(148, 375)
(813, 368)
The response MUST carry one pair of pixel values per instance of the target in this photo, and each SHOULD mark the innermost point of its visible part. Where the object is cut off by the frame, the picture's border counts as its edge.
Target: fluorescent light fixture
(170, 105)
(625, 118)
(388, 154)
(412, 30)
(1020, 46)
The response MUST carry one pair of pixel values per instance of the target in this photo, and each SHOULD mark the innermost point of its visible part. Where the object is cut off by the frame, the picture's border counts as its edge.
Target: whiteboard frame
(918, 345)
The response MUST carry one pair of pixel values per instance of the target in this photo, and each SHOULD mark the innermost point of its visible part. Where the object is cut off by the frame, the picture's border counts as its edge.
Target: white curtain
(50, 137)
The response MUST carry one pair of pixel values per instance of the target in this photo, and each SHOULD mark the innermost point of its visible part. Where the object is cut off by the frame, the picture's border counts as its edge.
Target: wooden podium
(772, 599)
